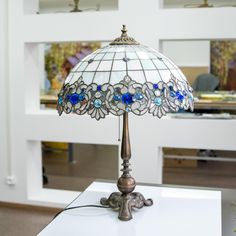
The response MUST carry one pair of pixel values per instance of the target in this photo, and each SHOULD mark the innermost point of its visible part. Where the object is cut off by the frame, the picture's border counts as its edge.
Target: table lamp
(121, 78)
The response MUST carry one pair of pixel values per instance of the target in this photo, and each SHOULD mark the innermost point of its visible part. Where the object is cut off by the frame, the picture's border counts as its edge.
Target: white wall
(188, 53)
(3, 102)
(29, 125)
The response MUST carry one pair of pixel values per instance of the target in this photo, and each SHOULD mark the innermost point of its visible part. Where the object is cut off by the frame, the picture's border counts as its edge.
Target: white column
(4, 165)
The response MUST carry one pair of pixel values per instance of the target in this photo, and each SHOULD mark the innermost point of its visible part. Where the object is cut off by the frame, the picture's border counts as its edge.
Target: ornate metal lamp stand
(120, 78)
(126, 199)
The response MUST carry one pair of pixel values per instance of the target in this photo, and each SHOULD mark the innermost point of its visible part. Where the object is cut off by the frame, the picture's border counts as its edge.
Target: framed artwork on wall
(60, 58)
(223, 63)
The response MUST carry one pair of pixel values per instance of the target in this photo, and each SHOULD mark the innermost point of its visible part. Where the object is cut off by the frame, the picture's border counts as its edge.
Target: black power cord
(83, 206)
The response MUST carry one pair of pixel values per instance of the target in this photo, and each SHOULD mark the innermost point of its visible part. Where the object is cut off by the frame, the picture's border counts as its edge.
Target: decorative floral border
(126, 96)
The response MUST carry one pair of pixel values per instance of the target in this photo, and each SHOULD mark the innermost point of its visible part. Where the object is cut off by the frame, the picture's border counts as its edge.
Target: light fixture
(121, 78)
(76, 6)
(77, 9)
(205, 4)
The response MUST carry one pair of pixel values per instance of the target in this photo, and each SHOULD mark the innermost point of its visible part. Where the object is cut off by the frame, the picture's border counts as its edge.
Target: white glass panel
(105, 49)
(116, 77)
(148, 65)
(142, 55)
(151, 49)
(129, 49)
(92, 66)
(119, 55)
(76, 67)
(160, 55)
(105, 66)
(90, 56)
(138, 76)
(159, 64)
(112, 49)
(120, 49)
(88, 77)
(109, 56)
(81, 67)
(99, 50)
(131, 55)
(178, 74)
(101, 77)
(99, 56)
(119, 65)
(169, 64)
(151, 55)
(181, 73)
(68, 78)
(153, 76)
(75, 77)
(165, 75)
(134, 65)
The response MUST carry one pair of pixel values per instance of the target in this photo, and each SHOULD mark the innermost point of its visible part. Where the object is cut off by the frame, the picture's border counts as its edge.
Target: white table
(176, 212)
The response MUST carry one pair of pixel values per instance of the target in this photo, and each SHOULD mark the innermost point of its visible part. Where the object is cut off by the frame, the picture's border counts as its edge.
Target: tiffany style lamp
(120, 78)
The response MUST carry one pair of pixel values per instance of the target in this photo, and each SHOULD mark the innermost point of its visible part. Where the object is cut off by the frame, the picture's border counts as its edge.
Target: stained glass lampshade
(125, 77)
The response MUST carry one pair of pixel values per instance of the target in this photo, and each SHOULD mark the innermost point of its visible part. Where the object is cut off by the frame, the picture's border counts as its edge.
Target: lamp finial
(124, 31)
(124, 39)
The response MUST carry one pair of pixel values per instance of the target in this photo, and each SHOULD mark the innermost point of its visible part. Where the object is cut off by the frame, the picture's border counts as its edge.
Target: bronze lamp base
(126, 199)
(125, 203)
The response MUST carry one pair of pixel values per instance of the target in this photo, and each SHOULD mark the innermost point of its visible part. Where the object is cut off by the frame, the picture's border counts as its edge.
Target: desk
(176, 212)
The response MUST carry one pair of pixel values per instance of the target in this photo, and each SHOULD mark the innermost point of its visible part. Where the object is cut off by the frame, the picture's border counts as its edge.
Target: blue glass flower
(191, 96)
(158, 101)
(128, 109)
(127, 98)
(179, 96)
(81, 97)
(99, 87)
(171, 88)
(97, 103)
(60, 100)
(74, 98)
(138, 96)
(155, 86)
(117, 97)
(172, 94)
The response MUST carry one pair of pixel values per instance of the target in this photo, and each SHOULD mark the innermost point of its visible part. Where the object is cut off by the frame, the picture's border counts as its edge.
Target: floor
(23, 221)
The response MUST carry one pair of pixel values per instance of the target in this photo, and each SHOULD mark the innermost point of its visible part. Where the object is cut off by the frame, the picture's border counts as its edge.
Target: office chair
(206, 82)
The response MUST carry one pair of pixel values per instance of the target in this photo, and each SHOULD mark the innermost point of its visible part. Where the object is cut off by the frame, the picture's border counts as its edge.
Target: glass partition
(199, 167)
(210, 67)
(73, 166)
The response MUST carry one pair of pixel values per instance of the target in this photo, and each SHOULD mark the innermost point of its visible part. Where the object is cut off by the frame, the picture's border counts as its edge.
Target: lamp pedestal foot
(125, 203)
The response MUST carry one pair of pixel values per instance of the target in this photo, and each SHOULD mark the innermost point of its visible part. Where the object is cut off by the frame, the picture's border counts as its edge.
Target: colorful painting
(223, 63)
(60, 58)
